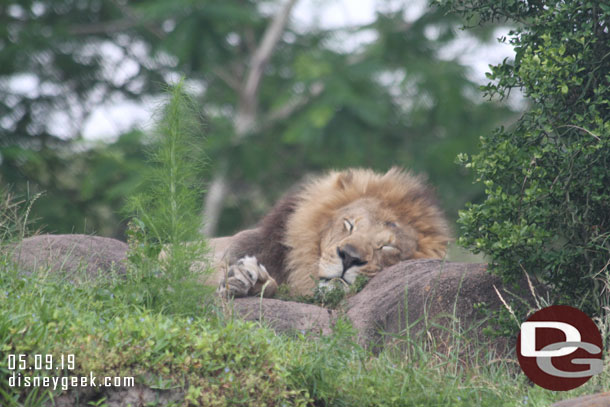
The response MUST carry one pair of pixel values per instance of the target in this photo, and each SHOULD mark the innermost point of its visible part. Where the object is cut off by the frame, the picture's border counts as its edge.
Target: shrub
(547, 178)
(166, 212)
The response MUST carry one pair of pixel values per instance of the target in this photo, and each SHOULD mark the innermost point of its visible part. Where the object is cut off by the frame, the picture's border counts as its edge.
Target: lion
(336, 227)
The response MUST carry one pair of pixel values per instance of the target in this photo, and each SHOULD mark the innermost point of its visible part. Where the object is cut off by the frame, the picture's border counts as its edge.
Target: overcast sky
(109, 121)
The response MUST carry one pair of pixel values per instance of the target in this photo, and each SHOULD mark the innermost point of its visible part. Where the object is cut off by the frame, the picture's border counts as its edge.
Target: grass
(218, 361)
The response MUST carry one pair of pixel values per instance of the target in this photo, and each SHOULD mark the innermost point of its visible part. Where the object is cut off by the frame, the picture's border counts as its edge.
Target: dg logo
(560, 348)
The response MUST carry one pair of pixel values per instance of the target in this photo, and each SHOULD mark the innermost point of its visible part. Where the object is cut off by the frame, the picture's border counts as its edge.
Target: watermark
(560, 348)
(49, 371)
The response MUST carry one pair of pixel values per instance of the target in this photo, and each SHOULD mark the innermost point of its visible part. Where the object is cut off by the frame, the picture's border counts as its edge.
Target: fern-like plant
(166, 211)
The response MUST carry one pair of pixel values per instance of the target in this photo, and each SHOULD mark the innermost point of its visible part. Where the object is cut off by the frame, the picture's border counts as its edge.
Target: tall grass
(14, 215)
(212, 360)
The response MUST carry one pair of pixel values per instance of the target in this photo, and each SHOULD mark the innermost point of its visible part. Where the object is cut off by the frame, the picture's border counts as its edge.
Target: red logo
(559, 348)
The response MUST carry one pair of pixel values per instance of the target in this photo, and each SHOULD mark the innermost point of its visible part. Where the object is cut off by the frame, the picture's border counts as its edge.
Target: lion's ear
(344, 179)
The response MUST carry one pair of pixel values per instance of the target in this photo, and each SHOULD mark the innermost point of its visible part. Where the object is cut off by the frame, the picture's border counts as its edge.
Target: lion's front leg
(246, 277)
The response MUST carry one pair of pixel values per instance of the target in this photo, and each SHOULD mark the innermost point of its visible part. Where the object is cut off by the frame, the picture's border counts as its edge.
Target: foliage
(390, 101)
(82, 186)
(52, 74)
(14, 217)
(330, 296)
(216, 363)
(165, 218)
(167, 205)
(225, 362)
(546, 179)
(64, 70)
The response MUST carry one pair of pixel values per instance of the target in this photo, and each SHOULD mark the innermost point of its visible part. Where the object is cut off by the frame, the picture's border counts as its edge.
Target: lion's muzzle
(350, 257)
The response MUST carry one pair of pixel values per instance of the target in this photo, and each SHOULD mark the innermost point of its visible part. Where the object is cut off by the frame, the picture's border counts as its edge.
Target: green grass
(223, 361)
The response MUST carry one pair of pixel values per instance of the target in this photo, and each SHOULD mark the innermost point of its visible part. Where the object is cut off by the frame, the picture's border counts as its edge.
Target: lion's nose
(349, 256)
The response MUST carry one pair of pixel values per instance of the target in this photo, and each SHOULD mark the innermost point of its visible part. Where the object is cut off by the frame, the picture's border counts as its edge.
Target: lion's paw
(246, 277)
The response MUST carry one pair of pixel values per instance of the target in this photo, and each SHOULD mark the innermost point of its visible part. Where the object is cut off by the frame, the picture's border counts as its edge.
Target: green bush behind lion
(547, 179)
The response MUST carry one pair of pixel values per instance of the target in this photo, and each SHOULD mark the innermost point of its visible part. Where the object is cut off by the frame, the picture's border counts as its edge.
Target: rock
(286, 316)
(441, 299)
(70, 254)
(594, 400)
(138, 395)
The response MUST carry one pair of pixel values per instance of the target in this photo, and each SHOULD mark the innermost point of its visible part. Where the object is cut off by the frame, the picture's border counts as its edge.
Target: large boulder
(70, 254)
(440, 301)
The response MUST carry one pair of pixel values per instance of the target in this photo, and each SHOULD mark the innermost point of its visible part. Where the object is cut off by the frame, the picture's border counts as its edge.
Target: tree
(82, 190)
(547, 206)
(54, 68)
(388, 102)
(279, 102)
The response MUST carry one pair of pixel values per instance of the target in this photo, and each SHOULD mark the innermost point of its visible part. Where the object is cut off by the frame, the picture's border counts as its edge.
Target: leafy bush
(547, 179)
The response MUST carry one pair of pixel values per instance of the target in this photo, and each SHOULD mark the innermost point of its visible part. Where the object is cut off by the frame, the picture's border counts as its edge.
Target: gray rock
(286, 316)
(436, 299)
(70, 254)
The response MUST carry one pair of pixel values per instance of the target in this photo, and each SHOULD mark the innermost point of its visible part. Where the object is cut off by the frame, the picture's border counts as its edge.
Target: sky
(108, 121)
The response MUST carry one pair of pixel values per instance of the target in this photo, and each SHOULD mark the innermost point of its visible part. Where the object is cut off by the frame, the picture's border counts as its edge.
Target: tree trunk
(246, 118)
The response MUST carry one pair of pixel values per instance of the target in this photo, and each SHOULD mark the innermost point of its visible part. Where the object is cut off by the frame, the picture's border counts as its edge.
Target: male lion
(336, 227)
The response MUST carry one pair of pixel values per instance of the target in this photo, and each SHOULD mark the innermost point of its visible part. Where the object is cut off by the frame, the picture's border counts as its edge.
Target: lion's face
(356, 222)
(361, 239)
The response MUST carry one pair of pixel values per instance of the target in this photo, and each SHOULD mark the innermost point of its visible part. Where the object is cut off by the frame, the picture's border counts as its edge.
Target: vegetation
(165, 221)
(217, 361)
(331, 296)
(174, 340)
(311, 104)
(547, 206)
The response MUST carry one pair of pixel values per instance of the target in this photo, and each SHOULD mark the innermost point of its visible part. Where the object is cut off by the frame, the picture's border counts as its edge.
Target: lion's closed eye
(390, 250)
(348, 225)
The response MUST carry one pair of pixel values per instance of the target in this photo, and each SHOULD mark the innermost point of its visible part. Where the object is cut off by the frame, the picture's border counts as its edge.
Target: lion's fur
(288, 240)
